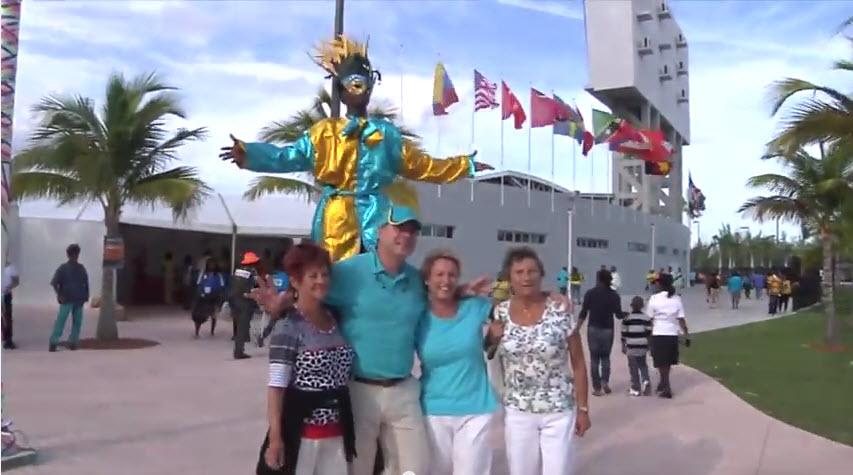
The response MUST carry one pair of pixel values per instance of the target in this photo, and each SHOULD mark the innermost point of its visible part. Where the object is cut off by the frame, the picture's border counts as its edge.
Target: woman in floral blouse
(541, 354)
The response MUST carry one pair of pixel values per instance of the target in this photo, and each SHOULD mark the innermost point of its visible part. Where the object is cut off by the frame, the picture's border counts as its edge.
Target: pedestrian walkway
(186, 407)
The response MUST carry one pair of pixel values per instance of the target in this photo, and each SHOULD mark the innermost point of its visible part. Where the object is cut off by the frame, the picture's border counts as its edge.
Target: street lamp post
(745, 229)
(339, 30)
(654, 246)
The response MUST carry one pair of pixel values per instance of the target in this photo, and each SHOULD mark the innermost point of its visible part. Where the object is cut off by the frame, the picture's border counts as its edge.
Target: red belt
(326, 431)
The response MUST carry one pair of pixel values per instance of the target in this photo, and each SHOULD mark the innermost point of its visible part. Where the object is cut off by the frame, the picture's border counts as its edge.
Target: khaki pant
(392, 415)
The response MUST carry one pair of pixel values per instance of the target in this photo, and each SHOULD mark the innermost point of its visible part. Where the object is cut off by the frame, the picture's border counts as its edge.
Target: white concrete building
(638, 66)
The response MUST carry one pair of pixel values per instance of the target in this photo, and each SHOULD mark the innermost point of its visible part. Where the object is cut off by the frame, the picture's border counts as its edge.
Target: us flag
(484, 92)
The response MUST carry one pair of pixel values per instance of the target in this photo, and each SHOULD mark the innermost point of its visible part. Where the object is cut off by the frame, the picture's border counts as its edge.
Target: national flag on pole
(604, 125)
(443, 93)
(695, 199)
(628, 140)
(570, 123)
(511, 106)
(644, 144)
(657, 168)
(543, 110)
(485, 92)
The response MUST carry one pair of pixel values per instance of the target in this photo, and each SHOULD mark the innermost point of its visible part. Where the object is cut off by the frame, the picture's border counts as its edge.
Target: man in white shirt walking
(10, 281)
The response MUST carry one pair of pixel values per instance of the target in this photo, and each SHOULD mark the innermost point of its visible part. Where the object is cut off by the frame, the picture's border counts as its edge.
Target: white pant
(539, 443)
(392, 415)
(321, 457)
(460, 444)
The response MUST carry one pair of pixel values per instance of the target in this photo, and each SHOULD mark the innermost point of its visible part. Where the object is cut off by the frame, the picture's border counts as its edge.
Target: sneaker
(9, 345)
(666, 394)
(646, 388)
(51, 348)
(241, 356)
(633, 392)
(607, 389)
(597, 392)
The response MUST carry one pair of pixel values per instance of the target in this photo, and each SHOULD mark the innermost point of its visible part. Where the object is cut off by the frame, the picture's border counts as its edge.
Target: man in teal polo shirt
(381, 298)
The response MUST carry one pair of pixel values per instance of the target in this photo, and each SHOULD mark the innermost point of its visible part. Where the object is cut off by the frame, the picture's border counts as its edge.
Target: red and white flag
(485, 92)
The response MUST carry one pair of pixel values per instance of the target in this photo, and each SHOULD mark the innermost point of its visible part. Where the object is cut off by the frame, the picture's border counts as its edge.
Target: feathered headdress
(335, 55)
(401, 192)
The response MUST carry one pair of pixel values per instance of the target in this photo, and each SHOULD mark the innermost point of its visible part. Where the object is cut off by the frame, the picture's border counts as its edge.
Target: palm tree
(117, 157)
(813, 193)
(826, 117)
(290, 130)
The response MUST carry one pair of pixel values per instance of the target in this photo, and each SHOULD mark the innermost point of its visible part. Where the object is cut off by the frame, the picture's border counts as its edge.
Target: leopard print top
(306, 358)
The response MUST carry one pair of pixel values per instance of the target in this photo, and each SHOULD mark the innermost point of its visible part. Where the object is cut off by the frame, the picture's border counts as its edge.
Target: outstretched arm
(268, 158)
(415, 164)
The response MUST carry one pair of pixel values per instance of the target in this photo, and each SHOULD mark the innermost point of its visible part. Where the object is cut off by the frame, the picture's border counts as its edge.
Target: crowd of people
(779, 286)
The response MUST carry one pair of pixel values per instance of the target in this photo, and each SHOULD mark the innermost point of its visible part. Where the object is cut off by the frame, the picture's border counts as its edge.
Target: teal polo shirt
(379, 314)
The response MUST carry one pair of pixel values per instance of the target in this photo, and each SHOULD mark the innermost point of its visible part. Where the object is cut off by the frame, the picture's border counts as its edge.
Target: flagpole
(503, 169)
(574, 157)
(438, 126)
(401, 83)
(529, 144)
(574, 168)
(591, 183)
(473, 115)
(553, 177)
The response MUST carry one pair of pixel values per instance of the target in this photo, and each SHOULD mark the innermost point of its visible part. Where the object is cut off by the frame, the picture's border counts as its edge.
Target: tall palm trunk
(107, 328)
(826, 283)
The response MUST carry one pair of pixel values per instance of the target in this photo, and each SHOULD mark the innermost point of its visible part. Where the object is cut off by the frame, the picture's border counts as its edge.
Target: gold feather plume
(329, 54)
(401, 192)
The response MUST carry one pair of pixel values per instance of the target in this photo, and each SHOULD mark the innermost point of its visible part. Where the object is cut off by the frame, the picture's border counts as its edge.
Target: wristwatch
(583, 409)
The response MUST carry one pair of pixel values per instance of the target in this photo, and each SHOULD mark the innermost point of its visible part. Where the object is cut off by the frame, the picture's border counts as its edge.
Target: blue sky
(242, 65)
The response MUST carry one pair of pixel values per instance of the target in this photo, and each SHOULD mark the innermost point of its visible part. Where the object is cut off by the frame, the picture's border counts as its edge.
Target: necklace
(319, 319)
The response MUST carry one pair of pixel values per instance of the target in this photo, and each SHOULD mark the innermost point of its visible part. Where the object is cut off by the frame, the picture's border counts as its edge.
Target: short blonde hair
(436, 255)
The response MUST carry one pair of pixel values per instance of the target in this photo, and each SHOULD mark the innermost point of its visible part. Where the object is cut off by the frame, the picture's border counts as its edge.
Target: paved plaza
(186, 407)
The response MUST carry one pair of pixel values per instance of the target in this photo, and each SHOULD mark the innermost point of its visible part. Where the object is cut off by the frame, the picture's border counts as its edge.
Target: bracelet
(583, 409)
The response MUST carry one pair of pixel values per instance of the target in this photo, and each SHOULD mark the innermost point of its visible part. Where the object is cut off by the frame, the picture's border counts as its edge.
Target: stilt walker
(353, 158)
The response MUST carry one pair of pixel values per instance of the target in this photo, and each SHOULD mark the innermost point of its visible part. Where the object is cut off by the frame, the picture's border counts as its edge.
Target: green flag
(603, 125)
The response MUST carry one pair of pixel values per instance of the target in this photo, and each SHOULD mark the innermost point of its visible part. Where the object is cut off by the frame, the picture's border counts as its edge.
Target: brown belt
(385, 383)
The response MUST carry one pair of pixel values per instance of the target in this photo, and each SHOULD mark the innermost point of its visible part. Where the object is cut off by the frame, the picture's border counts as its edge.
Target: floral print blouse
(535, 361)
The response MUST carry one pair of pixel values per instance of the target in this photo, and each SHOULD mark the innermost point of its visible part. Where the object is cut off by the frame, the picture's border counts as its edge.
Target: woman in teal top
(457, 398)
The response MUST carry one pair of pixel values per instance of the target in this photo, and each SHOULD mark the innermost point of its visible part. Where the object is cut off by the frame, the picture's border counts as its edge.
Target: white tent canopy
(275, 215)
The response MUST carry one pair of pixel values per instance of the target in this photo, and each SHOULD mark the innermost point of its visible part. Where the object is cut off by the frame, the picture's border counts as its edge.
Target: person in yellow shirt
(575, 281)
(786, 295)
(500, 290)
(651, 278)
(774, 291)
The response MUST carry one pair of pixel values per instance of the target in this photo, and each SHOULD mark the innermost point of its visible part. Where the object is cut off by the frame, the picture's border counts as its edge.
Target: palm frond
(290, 130)
(269, 185)
(772, 207)
(843, 65)
(63, 115)
(179, 188)
(776, 183)
(47, 184)
(813, 122)
(781, 91)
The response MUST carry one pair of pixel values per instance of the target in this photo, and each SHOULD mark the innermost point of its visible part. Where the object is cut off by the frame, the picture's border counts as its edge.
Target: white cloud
(563, 9)
(238, 91)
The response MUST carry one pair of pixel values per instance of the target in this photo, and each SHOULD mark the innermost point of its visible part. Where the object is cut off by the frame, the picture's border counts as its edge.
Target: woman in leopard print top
(310, 416)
